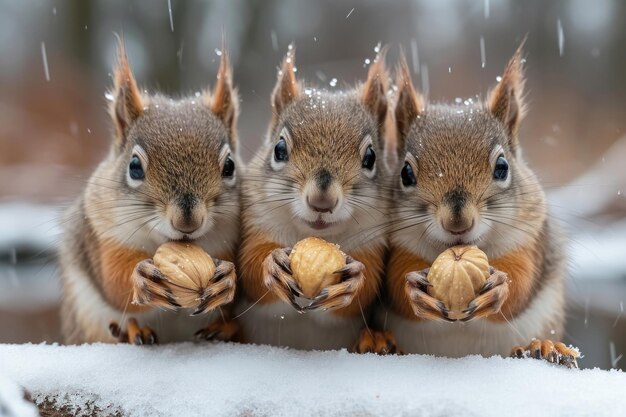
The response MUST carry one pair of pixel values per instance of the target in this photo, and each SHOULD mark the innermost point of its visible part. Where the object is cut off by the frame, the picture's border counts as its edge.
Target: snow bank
(227, 379)
(12, 401)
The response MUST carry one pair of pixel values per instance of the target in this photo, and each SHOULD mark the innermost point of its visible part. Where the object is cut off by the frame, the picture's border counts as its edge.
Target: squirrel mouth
(319, 224)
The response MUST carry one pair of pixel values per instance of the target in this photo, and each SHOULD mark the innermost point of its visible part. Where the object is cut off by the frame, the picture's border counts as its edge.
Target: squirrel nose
(187, 225)
(321, 204)
(188, 214)
(458, 225)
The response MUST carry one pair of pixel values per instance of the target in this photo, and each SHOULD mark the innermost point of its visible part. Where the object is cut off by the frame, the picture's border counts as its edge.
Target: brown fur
(117, 223)
(127, 106)
(522, 267)
(505, 101)
(326, 131)
(117, 266)
(400, 263)
(224, 101)
(252, 252)
(373, 261)
(287, 88)
(450, 149)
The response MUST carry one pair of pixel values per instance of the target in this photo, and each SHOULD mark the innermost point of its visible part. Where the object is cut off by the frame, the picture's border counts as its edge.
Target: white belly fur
(540, 320)
(93, 314)
(278, 324)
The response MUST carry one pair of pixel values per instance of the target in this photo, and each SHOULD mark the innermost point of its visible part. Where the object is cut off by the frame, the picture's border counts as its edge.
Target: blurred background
(54, 128)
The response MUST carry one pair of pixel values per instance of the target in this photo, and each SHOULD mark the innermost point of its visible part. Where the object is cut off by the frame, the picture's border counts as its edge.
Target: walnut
(457, 275)
(313, 264)
(187, 268)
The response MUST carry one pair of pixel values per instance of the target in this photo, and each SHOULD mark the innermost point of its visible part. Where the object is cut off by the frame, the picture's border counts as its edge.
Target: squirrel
(318, 173)
(461, 179)
(170, 174)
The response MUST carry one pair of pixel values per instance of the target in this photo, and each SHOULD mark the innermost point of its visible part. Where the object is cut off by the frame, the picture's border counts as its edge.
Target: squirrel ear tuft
(287, 88)
(409, 103)
(505, 101)
(375, 88)
(127, 103)
(224, 102)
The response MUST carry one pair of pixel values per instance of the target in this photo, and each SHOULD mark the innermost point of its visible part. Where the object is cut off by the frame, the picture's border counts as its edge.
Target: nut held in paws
(313, 263)
(456, 276)
(188, 269)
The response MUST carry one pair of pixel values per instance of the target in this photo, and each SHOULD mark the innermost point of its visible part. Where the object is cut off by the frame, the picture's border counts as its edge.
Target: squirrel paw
(491, 296)
(374, 341)
(556, 353)
(277, 277)
(134, 334)
(150, 287)
(223, 330)
(424, 306)
(342, 294)
(221, 290)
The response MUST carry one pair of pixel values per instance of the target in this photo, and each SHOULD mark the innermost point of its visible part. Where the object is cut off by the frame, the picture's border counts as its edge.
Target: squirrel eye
(501, 171)
(280, 150)
(408, 177)
(229, 167)
(135, 170)
(369, 158)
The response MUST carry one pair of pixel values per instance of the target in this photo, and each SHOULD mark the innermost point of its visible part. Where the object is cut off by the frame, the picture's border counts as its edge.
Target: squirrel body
(169, 175)
(315, 175)
(462, 180)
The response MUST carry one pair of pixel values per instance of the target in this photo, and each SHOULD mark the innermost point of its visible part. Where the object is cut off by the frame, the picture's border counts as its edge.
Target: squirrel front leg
(402, 262)
(117, 266)
(520, 267)
(252, 254)
(359, 286)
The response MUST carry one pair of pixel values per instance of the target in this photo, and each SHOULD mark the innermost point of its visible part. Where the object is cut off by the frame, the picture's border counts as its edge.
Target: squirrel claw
(221, 330)
(221, 289)
(133, 334)
(277, 277)
(150, 287)
(378, 342)
(556, 353)
(490, 298)
(423, 305)
(341, 295)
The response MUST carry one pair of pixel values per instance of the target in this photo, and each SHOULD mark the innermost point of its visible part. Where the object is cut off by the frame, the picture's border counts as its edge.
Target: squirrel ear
(287, 88)
(409, 103)
(224, 102)
(505, 100)
(375, 89)
(127, 103)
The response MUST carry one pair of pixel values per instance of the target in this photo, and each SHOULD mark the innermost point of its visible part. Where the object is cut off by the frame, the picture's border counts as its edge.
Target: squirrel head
(173, 162)
(461, 177)
(324, 150)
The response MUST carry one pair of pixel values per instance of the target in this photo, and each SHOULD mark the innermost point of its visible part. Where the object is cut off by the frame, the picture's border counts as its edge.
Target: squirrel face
(462, 179)
(324, 150)
(173, 165)
(178, 158)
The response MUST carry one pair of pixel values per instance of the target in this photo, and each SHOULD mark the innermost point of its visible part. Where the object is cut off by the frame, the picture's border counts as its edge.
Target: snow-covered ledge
(230, 379)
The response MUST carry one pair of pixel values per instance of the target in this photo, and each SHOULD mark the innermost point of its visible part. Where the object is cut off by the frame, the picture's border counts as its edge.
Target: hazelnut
(457, 275)
(187, 268)
(313, 264)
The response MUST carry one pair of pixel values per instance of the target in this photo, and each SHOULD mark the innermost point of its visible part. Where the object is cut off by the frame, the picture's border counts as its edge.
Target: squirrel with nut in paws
(462, 180)
(319, 173)
(170, 174)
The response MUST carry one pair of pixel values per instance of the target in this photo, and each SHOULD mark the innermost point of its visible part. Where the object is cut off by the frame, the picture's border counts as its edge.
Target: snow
(230, 379)
(12, 402)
